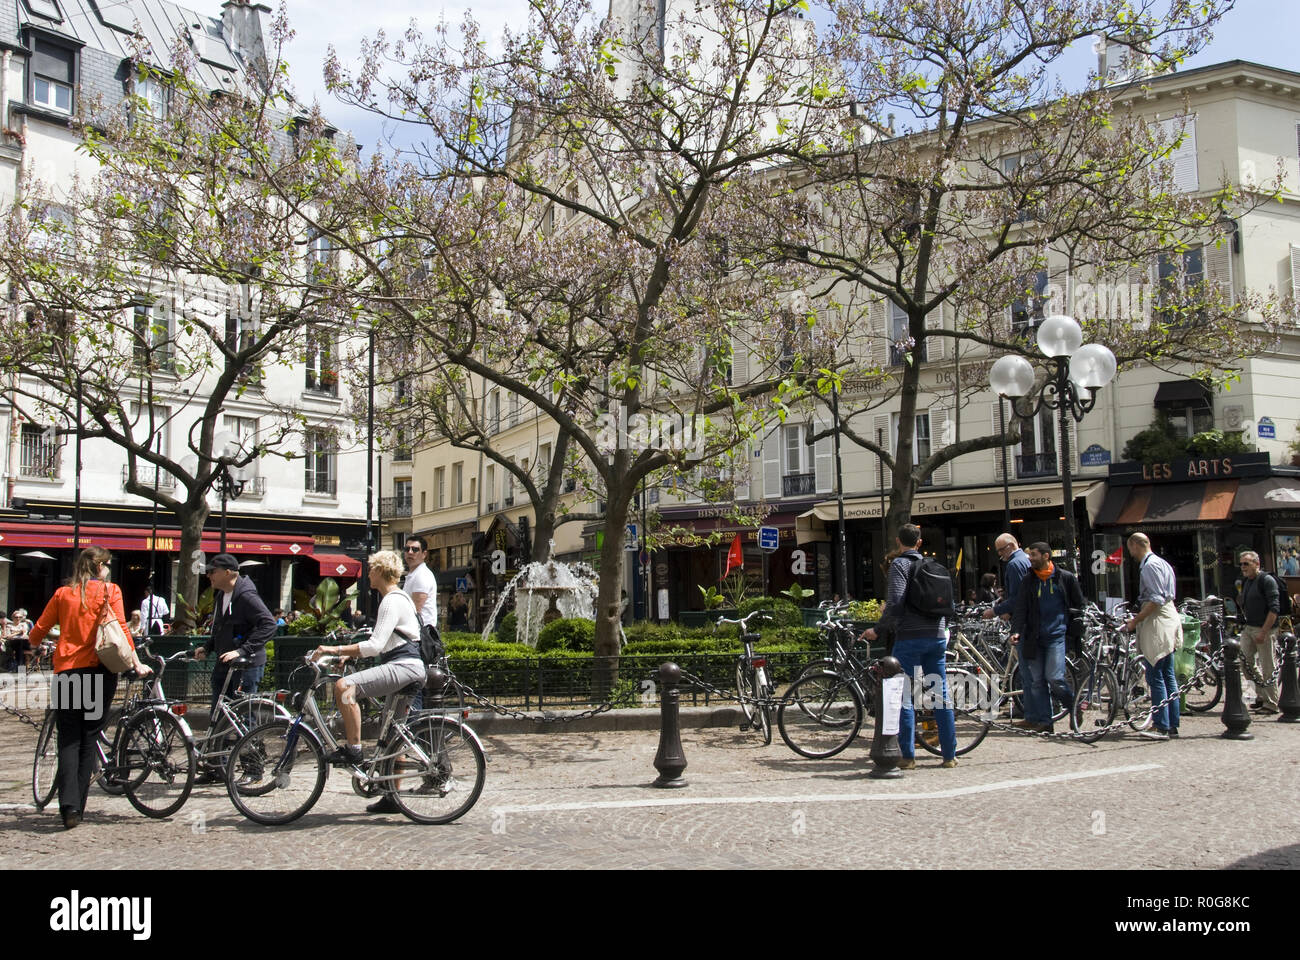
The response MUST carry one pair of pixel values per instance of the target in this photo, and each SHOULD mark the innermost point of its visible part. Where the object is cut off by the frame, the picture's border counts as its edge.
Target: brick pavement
(1013, 802)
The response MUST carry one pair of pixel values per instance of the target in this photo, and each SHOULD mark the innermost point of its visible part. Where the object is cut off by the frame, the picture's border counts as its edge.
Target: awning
(1183, 391)
(1268, 493)
(59, 536)
(1168, 503)
(954, 502)
(338, 565)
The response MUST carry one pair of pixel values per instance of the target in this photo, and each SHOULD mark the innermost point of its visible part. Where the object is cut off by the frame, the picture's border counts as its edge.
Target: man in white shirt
(419, 583)
(154, 609)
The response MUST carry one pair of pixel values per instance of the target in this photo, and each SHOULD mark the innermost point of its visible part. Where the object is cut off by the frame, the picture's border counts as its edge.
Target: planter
(695, 619)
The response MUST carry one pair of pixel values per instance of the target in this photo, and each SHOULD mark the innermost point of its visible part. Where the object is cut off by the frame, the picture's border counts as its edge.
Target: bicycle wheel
(1095, 703)
(763, 711)
(276, 772)
(1205, 688)
(249, 713)
(745, 688)
(971, 698)
(821, 715)
(109, 777)
(448, 784)
(157, 760)
(46, 764)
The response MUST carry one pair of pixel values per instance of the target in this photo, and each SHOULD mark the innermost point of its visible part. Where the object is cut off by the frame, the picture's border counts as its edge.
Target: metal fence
(531, 683)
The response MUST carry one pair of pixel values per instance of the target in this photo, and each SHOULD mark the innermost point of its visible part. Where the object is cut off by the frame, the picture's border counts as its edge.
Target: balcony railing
(798, 484)
(323, 484)
(1036, 465)
(39, 457)
(509, 501)
(144, 476)
(394, 507)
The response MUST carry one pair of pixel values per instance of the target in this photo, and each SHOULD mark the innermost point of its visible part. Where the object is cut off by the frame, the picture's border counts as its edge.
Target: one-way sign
(769, 539)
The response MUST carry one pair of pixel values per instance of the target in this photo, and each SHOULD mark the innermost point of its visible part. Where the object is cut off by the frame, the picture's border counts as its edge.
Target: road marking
(17, 806)
(824, 798)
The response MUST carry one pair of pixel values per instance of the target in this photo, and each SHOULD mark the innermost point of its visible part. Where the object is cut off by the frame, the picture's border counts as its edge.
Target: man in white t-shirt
(154, 609)
(419, 583)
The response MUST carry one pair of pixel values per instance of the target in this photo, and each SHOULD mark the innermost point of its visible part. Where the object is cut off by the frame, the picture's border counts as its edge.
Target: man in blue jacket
(1039, 624)
(1016, 570)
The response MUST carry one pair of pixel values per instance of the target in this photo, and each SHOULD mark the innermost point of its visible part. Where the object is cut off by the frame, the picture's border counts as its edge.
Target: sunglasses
(412, 550)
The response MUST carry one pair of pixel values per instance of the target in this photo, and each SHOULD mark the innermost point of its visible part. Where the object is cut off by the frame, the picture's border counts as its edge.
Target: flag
(735, 557)
(1117, 558)
(959, 553)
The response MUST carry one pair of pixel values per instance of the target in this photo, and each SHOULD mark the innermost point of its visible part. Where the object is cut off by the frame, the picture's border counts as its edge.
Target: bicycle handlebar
(743, 622)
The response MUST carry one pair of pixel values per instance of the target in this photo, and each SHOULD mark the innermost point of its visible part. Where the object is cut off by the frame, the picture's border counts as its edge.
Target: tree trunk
(191, 516)
(544, 524)
(609, 596)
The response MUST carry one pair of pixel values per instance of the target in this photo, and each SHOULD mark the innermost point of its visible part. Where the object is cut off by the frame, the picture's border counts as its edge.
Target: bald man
(1013, 576)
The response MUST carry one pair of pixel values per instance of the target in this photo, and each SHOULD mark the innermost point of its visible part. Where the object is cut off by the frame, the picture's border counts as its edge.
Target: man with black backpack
(920, 598)
(1261, 603)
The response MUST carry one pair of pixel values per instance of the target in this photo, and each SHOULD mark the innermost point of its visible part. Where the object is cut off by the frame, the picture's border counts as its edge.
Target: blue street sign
(1095, 456)
(768, 538)
(630, 540)
(462, 584)
(1267, 431)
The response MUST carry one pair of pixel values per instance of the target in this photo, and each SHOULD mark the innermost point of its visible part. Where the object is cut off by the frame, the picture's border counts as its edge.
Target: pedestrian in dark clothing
(241, 625)
(1017, 568)
(1045, 599)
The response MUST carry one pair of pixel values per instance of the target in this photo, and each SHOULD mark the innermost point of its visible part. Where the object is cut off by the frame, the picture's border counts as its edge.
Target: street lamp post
(230, 488)
(1075, 372)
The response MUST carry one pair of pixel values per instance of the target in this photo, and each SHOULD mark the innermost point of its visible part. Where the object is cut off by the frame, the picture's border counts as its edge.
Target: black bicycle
(753, 681)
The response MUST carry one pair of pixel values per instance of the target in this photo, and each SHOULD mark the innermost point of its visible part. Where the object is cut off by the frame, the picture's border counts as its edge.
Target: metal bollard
(1235, 715)
(1289, 702)
(670, 761)
(885, 754)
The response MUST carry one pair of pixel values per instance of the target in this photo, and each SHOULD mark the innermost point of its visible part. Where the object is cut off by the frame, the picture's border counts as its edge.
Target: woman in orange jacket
(83, 688)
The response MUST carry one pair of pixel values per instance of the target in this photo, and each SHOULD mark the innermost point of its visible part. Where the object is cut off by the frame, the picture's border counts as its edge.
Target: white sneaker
(1154, 734)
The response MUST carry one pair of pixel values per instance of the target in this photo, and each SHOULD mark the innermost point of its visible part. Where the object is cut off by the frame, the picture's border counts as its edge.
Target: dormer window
(52, 75)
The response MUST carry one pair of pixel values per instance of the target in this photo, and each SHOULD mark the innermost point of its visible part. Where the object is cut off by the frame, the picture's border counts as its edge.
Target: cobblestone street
(566, 800)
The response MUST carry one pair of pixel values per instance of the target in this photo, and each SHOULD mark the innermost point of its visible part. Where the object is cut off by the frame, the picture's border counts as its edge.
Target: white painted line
(17, 806)
(679, 801)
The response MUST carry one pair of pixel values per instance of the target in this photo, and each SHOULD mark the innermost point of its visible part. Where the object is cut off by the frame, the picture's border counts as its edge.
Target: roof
(108, 26)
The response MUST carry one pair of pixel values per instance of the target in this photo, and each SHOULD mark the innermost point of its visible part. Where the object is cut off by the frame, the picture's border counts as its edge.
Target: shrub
(785, 613)
(865, 610)
(508, 628)
(567, 633)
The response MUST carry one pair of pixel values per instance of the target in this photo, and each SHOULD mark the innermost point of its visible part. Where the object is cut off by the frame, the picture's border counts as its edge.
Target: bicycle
(234, 717)
(1115, 682)
(150, 756)
(431, 764)
(829, 703)
(753, 682)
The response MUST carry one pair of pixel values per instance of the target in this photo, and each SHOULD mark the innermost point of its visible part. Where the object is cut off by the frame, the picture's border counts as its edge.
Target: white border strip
(679, 801)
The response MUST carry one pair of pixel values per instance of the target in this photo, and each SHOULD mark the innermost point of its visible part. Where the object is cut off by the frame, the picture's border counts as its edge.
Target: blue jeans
(928, 654)
(1044, 677)
(1163, 683)
(244, 681)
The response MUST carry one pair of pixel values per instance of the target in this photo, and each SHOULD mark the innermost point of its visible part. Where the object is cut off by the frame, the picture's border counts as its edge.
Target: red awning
(59, 536)
(338, 565)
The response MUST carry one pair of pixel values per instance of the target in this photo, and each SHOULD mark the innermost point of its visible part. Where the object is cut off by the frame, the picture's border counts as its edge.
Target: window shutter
(53, 62)
(1183, 157)
(823, 459)
(994, 431)
(1142, 283)
(1295, 271)
(881, 427)
(1058, 285)
(942, 477)
(936, 348)
(739, 362)
(772, 464)
(878, 314)
(1218, 269)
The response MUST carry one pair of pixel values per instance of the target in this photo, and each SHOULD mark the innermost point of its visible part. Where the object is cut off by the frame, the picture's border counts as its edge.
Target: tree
(1004, 191)
(564, 231)
(164, 280)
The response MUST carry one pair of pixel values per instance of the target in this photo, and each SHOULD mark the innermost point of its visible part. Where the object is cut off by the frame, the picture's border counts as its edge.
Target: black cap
(223, 561)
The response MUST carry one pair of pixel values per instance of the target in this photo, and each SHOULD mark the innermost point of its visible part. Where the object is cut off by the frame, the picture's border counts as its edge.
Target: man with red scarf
(1039, 624)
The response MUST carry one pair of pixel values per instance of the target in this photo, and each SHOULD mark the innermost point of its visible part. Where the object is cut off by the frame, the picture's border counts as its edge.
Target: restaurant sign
(1233, 467)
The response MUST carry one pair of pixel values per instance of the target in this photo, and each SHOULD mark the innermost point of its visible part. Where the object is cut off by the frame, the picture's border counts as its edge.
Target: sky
(1254, 30)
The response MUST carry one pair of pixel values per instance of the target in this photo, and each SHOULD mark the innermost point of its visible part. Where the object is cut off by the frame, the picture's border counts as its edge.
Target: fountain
(546, 591)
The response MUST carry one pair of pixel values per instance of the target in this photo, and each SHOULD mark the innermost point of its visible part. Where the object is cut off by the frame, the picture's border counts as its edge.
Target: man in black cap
(241, 626)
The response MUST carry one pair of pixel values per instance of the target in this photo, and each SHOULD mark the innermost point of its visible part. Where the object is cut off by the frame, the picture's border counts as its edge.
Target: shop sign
(1179, 471)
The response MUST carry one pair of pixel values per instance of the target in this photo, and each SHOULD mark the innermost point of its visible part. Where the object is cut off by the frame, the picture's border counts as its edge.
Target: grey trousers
(1255, 642)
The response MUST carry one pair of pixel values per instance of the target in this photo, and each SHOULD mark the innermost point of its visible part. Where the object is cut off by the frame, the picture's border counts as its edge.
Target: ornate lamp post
(1075, 372)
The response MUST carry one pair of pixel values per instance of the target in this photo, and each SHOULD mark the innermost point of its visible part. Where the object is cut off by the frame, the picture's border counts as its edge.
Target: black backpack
(431, 648)
(929, 590)
(1283, 598)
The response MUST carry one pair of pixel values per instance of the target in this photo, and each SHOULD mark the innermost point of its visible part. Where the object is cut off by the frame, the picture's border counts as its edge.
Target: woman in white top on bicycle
(395, 640)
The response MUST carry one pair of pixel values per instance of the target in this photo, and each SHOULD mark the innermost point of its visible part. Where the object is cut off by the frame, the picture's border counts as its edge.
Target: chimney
(241, 22)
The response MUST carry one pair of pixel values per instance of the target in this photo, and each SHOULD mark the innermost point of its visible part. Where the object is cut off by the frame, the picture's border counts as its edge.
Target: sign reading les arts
(1233, 467)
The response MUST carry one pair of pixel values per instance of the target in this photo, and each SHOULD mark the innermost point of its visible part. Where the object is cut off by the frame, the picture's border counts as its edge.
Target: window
(1028, 310)
(1180, 136)
(321, 375)
(900, 336)
(151, 341)
(1179, 277)
(1036, 456)
(490, 487)
(1188, 405)
(458, 482)
(512, 416)
(543, 465)
(41, 453)
(440, 487)
(798, 478)
(245, 428)
(402, 498)
(494, 412)
(424, 501)
(320, 477)
(921, 440)
(53, 70)
(507, 486)
(160, 439)
(151, 97)
(320, 256)
(55, 229)
(49, 9)
(1024, 171)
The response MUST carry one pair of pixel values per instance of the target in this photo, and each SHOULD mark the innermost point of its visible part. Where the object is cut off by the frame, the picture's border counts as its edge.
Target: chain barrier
(625, 699)
(15, 712)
